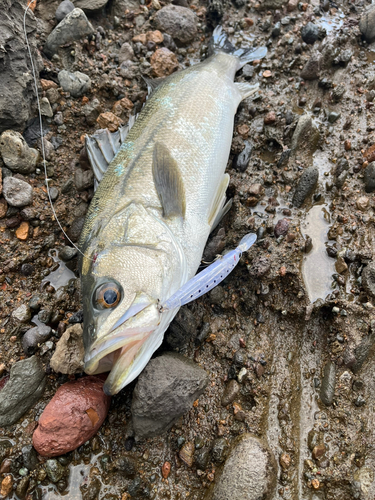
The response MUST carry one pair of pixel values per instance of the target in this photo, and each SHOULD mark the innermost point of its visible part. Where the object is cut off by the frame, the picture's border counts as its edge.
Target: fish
(161, 190)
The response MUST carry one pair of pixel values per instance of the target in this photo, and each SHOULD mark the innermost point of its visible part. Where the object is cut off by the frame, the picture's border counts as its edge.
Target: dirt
(283, 314)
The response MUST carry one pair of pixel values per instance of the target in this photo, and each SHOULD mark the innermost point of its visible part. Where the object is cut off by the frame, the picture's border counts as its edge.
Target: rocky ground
(263, 388)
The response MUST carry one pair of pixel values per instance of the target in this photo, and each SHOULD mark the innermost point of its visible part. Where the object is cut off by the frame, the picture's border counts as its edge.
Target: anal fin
(168, 182)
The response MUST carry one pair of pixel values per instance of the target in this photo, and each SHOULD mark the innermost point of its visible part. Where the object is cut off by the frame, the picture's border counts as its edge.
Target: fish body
(152, 213)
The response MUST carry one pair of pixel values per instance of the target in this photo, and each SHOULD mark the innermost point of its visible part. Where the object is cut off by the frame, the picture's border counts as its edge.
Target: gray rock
(306, 185)
(369, 177)
(17, 193)
(219, 450)
(367, 24)
(74, 232)
(55, 471)
(16, 154)
(241, 161)
(306, 135)
(230, 392)
(73, 27)
(327, 390)
(34, 337)
(276, 30)
(311, 70)
(67, 253)
(249, 472)
(310, 33)
(118, 7)
(63, 9)
(59, 118)
(272, 4)
(23, 389)
(29, 458)
(90, 5)
(128, 70)
(363, 350)
(17, 97)
(45, 107)
(126, 53)
(368, 279)
(54, 193)
(165, 390)
(182, 330)
(76, 83)
(83, 179)
(22, 313)
(68, 356)
(92, 110)
(179, 22)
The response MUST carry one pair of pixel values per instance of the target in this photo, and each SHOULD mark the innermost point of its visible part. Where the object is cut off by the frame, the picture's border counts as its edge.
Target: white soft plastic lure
(156, 203)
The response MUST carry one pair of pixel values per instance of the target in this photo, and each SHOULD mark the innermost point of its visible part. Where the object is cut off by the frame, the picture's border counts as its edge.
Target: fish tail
(220, 43)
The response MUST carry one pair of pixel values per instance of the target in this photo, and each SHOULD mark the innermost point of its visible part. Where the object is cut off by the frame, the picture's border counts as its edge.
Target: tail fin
(220, 43)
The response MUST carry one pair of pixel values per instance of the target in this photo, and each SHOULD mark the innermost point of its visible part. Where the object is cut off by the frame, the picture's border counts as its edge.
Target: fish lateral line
(210, 277)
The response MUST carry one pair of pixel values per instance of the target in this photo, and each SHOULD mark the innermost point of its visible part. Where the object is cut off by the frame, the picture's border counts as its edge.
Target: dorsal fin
(168, 182)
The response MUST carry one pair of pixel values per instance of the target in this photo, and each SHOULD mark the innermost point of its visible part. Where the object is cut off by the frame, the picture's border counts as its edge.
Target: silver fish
(154, 208)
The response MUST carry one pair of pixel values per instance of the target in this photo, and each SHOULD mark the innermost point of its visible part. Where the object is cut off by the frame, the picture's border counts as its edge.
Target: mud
(286, 308)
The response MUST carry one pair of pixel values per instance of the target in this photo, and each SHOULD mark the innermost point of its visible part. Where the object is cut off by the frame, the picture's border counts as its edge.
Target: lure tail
(220, 43)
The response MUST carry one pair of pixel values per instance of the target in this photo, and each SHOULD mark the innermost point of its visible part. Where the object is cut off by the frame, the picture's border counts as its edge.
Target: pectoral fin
(168, 182)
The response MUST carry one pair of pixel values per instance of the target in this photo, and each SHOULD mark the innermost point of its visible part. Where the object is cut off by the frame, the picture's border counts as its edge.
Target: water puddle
(61, 276)
(317, 266)
(332, 23)
(78, 474)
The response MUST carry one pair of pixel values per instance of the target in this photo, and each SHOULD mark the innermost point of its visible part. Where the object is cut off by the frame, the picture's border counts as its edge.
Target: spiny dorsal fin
(168, 182)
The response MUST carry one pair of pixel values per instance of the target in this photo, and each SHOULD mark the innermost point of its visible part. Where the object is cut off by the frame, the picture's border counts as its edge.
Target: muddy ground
(293, 314)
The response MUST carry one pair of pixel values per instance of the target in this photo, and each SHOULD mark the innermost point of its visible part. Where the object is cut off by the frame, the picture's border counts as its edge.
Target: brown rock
(166, 469)
(48, 84)
(348, 145)
(6, 486)
(3, 207)
(340, 265)
(187, 453)
(369, 154)
(270, 118)
(155, 36)
(110, 121)
(122, 106)
(22, 232)
(73, 416)
(281, 228)
(163, 62)
(362, 203)
(292, 5)
(318, 451)
(285, 461)
(140, 38)
(5, 466)
(256, 190)
(267, 73)
(243, 130)
(68, 356)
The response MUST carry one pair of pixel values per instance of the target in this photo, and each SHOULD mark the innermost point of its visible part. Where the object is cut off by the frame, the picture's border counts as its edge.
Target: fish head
(122, 284)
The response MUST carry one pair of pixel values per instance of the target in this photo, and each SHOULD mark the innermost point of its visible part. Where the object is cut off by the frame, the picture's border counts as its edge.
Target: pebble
(73, 416)
(29, 458)
(22, 313)
(54, 193)
(231, 391)
(22, 486)
(16, 192)
(76, 83)
(327, 390)
(127, 465)
(270, 118)
(67, 253)
(83, 179)
(362, 203)
(6, 486)
(126, 53)
(310, 33)
(3, 208)
(22, 232)
(163, 62)
(45, 107)
(306, 185)
(63, 10)
(367, 24)
(34, 337)
(166, 469)
(311, 70)
(179, 22)
(69, 353)
(340, 265)
(285, 461)
(16, 154)
(110, 121)
(318, 451)
(306, 135)
(276, 30)
(23, 389)
(182, 330)
(92, 110)
(369, 177)
(202, 457)
(165, 390)
(249, 472)
(219, 450)
(90, 6)
(55, 471)
(74, 26)
(281, 228)
(333, 116)
(368, 279)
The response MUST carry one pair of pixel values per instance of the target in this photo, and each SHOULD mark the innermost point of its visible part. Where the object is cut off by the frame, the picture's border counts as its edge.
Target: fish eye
(107, 296)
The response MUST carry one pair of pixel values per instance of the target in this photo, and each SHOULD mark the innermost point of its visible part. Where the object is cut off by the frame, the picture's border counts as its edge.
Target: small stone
(22, 486)
(306, 185)
(54, 193)
(45, 108)
(23, 389)
(67, 253)
(270, 118)
(3, 208)
(267, 73)
(179, 22)
(69, 353)
(315, 483)
(90, 6)
(333, 116)
(362, 203)
(327, 390)
(155, 36)
(127, 465)
(367, 24)
(63, 10)
(281, 228)
(318, 451)
(92, 110)
(369, 177)
(340, 265)
(166, 469)
(22, 232)
(27, 269)
(368, 279)
(128, 70)
(202, 457)
(163, 62)
(219, 450)
(347, 145)
(285, 461)
(126, 53)
(306, 135)
(55, 471)
(241, 161)
(230, 393)
(16, 154)
(16, 192)
(311, 70)
(187, 453)
(369, 154)
(6, 486)
(29, 458)
(34, 337)
(22, 313)
(74, 26)
(76, 83)
(310, 33)
(73, 416)
(83, 179)
(182, 330)
(122, 106)
(110, 121)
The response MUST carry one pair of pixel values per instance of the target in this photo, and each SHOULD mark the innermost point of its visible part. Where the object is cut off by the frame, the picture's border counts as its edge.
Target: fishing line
(41, 131)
